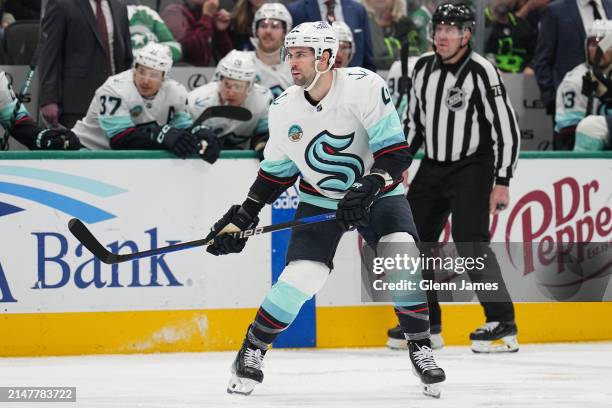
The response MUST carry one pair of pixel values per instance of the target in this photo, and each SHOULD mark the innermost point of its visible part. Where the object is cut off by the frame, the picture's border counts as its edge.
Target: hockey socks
(277, 312)
(413, 319)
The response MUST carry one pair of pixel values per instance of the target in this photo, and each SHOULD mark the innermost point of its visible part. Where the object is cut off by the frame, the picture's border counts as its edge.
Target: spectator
(242, 21)
(511, 42)
(560, 45)
(143, 109)
(384, 16)
(83, 44)
(349, 11)
(272, 21)
(147, 26)
(421, 18)
(235, 87)
(584, 98)
(201, 28)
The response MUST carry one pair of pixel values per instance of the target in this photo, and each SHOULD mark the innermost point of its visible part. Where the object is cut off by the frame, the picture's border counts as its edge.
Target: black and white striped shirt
(459, 109)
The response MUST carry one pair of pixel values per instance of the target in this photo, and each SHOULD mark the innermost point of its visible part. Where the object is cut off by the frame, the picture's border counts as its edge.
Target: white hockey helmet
(275, 11)
(237, 65)
(344, 33)
(155, 56)
(318, 35)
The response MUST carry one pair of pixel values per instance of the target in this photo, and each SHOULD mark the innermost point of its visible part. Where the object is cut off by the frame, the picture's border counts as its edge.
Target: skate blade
(507, 344)
(397, 344)
(241, 386)
(431, 390)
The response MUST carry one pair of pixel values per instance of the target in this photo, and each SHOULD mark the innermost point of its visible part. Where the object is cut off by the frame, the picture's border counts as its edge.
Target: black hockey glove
(213, 145)
(57, 139)
(224, 243)
(179, 141)
(589, 85)
(354, 208)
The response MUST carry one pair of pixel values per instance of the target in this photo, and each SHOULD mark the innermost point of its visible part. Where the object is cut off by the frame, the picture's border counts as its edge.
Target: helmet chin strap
(318, 74)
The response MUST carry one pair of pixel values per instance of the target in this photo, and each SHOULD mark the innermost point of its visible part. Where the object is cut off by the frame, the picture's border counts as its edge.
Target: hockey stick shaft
(85, 237)
(222, 111)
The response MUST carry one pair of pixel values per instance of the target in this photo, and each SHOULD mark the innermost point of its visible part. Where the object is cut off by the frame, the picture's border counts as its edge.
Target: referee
(460, 113)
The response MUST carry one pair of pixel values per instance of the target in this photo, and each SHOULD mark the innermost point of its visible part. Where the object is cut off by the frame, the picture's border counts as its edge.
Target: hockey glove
(236, 219)
(212, 147)
(354, 208)
(57, 139)
(179, 141)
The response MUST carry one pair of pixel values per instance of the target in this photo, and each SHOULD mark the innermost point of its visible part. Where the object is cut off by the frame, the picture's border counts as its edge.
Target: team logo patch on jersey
(325, 155)
(136, 111)
(295, 133)
(455, 99)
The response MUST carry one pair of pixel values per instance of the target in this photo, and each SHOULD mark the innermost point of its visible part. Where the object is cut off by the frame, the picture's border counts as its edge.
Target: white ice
(542, 376)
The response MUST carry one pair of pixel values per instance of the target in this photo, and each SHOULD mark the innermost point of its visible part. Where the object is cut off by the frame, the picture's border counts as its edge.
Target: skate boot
(424, 366)
(246, 369)
(397, 341)
(495, 337)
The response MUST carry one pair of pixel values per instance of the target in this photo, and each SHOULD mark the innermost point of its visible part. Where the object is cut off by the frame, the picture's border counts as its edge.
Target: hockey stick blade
(85, 237)
(223, 111)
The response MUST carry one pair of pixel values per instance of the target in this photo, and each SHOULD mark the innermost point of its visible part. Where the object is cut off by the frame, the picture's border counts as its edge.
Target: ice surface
(543, 376)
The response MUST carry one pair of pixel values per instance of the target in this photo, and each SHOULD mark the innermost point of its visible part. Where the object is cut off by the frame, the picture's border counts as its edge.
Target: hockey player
(143, 109)
(338, 131)
(270, 24)
(584, 97)
(23, 128)
(347, 43)
(234, 86)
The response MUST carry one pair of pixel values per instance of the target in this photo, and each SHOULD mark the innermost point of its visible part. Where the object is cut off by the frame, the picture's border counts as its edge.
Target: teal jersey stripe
(332, 204)
(386, 132)
(279, 168)
(586, 143)
(568, 118)
(284, 301)
(114, 125)
(181, 120)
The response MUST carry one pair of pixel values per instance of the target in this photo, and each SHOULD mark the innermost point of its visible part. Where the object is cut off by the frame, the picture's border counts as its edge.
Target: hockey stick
(224, 111)
(24, 89)
(85, 237)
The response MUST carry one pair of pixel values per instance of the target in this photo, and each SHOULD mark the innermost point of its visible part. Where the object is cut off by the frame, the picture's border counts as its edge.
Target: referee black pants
(462, 189)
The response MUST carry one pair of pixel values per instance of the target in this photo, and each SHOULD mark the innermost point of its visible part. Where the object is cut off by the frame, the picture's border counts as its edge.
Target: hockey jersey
(117, 105)
(333, 143)
(235, 134)
(276, 78)
(147, 26)
(8, 99)
(571, 103)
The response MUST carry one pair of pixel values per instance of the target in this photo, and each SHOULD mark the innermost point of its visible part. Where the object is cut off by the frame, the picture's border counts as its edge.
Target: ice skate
(246, 370)
(495, 337)
(397, 341)
(424, 366)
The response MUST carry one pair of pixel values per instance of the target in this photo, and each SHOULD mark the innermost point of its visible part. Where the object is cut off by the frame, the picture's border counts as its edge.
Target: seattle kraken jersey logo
(323, 155)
